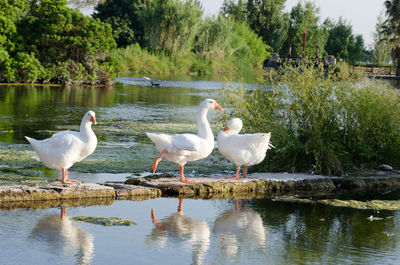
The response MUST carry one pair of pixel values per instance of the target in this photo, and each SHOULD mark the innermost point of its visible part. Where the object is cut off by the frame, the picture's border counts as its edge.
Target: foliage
(222, 46)
(342, 43)
(122, 16)
(134, 59)
(321, 125)
(391, 29)
(237, 11)
(47, 41)
(381, 47)
(213, 35)
(267, 19)
(305, 17)
(248, 48)
(170, 25)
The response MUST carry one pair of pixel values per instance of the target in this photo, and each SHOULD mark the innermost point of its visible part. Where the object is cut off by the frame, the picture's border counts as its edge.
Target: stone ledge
(213, 187)
(59, 191)
(256, 185)
(125, 190)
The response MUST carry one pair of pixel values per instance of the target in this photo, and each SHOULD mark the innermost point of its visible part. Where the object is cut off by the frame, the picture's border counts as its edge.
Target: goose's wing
(62, 147)
(187, 141)
(255, 140)
(66, 140)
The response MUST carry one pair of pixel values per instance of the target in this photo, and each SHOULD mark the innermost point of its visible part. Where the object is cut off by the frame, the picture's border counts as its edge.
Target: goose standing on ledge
(242, 149)
(183, 148)
(65, 148)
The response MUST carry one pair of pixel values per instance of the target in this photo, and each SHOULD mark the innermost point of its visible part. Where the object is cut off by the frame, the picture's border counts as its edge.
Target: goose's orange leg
(153, 217)
(244, 171)
(182, 177)
(65, 179)
(158, 159)
(237, 174)
(180, 205)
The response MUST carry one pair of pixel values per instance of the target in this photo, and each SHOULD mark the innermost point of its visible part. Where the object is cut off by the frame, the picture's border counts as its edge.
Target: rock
(126, 190)
(257, 185)
(384, 167)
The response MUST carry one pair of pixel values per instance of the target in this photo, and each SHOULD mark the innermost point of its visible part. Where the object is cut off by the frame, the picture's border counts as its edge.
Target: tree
(235, 10)
(267, 19)
(10, 11)
(381, 48)
(170, 26)
(391, 29)
(123, 18)
(342, 43)
(73, 48)
(213, 35)
(304, 17)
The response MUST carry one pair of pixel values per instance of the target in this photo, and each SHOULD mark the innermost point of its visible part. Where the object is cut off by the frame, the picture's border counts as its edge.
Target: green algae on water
(111, 221)
(367, 205)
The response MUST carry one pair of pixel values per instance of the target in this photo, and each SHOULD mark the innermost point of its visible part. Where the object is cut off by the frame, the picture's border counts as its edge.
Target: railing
(377, 71)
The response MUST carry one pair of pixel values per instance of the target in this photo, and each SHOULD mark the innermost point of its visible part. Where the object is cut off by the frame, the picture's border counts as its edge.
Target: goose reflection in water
(63, 235)
(239, 229)
(194, 232)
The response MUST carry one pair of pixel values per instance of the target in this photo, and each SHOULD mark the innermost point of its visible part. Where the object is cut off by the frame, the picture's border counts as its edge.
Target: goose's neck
(203, 125)
(86, 130)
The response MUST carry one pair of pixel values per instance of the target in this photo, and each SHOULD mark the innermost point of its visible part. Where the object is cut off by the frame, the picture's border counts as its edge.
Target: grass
(322, 122)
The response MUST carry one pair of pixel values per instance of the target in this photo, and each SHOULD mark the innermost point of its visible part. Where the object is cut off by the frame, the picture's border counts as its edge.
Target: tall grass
(320, 124)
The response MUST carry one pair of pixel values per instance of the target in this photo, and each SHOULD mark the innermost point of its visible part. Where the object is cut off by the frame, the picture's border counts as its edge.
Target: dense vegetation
(320, 124)
(45, 41)
(48, 42)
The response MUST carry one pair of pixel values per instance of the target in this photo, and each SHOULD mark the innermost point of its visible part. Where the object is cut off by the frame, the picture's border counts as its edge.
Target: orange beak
(218, 106)
(226, 128)
(93, 119)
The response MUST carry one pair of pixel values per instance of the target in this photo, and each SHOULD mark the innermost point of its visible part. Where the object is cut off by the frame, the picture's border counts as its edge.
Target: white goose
(65, 148)
(183, 148)
(242, 149)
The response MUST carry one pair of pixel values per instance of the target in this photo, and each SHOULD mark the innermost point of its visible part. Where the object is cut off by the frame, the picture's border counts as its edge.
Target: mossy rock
(111, 221)
(367, 205)
(376, 205)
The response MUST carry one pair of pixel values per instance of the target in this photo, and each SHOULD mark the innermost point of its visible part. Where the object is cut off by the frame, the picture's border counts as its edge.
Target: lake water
(246, 231)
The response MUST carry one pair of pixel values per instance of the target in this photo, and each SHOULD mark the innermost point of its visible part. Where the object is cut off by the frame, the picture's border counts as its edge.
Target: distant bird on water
(153, 83)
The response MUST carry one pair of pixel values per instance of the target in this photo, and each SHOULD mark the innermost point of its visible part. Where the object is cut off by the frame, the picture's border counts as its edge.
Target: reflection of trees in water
(179, 228)
(64, 237)
(239, 230)
(32, 110)
(314, 232)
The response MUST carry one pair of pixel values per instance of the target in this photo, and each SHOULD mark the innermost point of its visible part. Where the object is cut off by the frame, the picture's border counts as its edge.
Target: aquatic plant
(320, 124)
(112, 221)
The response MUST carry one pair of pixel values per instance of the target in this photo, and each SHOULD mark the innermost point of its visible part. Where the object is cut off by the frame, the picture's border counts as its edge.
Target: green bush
(320, 124)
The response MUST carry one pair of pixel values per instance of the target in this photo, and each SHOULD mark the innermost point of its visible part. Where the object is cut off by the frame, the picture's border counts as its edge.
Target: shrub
(320, 124)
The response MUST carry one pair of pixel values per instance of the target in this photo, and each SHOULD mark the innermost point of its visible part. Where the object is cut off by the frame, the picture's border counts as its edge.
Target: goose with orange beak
(183, 148)
(242, 149)
(65, 148)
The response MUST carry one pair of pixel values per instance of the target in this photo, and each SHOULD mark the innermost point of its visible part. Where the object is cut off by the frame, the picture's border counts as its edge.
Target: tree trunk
(396, 53)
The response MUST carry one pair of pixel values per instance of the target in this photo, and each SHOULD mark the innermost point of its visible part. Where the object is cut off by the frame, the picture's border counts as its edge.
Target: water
(251, 231)
(206, 232)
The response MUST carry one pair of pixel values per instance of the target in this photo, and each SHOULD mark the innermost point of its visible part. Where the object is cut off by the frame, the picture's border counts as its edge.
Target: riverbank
(258, 185)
